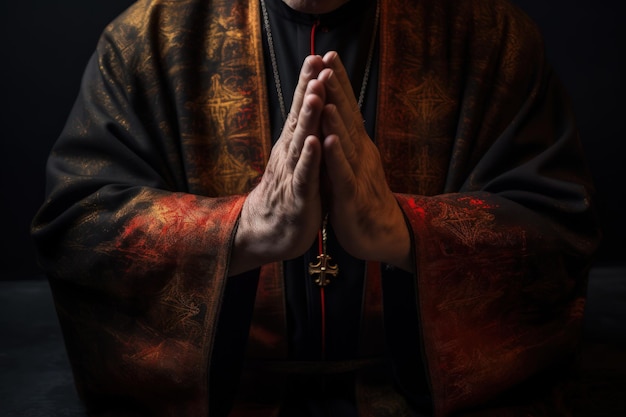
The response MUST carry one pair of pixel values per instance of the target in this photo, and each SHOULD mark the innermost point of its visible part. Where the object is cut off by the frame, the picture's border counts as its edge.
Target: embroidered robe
(171, 130)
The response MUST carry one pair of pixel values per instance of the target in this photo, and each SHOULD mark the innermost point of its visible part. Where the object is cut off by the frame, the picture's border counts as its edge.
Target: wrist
(246, 253)
(399, 247)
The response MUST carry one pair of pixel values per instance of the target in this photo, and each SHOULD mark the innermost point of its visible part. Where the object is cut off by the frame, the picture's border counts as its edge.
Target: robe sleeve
(501, 258)
(136, 261)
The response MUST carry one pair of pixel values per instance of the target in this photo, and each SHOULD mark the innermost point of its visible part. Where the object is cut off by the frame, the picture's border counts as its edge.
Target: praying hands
(323, 137)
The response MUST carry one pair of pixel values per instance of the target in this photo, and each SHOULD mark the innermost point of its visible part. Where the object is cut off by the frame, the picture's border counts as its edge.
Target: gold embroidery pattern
(221, 129)
(428, 102)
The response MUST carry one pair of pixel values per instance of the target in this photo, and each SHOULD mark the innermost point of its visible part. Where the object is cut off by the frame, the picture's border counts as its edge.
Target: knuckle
(293, 152)
(292, 121)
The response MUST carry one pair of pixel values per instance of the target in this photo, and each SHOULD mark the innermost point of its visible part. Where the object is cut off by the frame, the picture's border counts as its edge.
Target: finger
(347, 108)
(310, 70)
(308, 121)
(333, 125)
(340, 174)
(306, 175)
(332, 61)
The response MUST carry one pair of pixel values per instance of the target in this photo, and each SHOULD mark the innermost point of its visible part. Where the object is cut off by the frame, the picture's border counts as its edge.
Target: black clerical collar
(347, 11)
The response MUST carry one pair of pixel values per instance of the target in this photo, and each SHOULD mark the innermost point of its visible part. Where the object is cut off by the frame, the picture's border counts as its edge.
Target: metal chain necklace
(277, 83)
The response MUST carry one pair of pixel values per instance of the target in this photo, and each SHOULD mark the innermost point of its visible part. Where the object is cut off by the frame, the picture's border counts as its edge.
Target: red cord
(322, 301)
(323, 341)
(320, 237)
(315, 25)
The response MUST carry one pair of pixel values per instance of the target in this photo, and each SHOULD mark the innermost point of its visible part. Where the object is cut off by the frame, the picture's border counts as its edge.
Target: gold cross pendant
(323, 267)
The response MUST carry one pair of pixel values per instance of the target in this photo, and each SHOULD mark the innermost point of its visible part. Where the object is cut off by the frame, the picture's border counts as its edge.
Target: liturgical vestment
(171, 129)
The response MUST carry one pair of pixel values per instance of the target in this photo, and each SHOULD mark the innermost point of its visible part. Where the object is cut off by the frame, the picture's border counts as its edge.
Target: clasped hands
(323, 160)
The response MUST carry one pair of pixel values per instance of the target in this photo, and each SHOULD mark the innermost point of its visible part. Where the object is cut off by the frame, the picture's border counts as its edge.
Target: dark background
(46, 44)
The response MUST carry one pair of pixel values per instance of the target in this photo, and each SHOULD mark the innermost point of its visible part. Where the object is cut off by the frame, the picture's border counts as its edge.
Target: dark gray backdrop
(46, 44)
